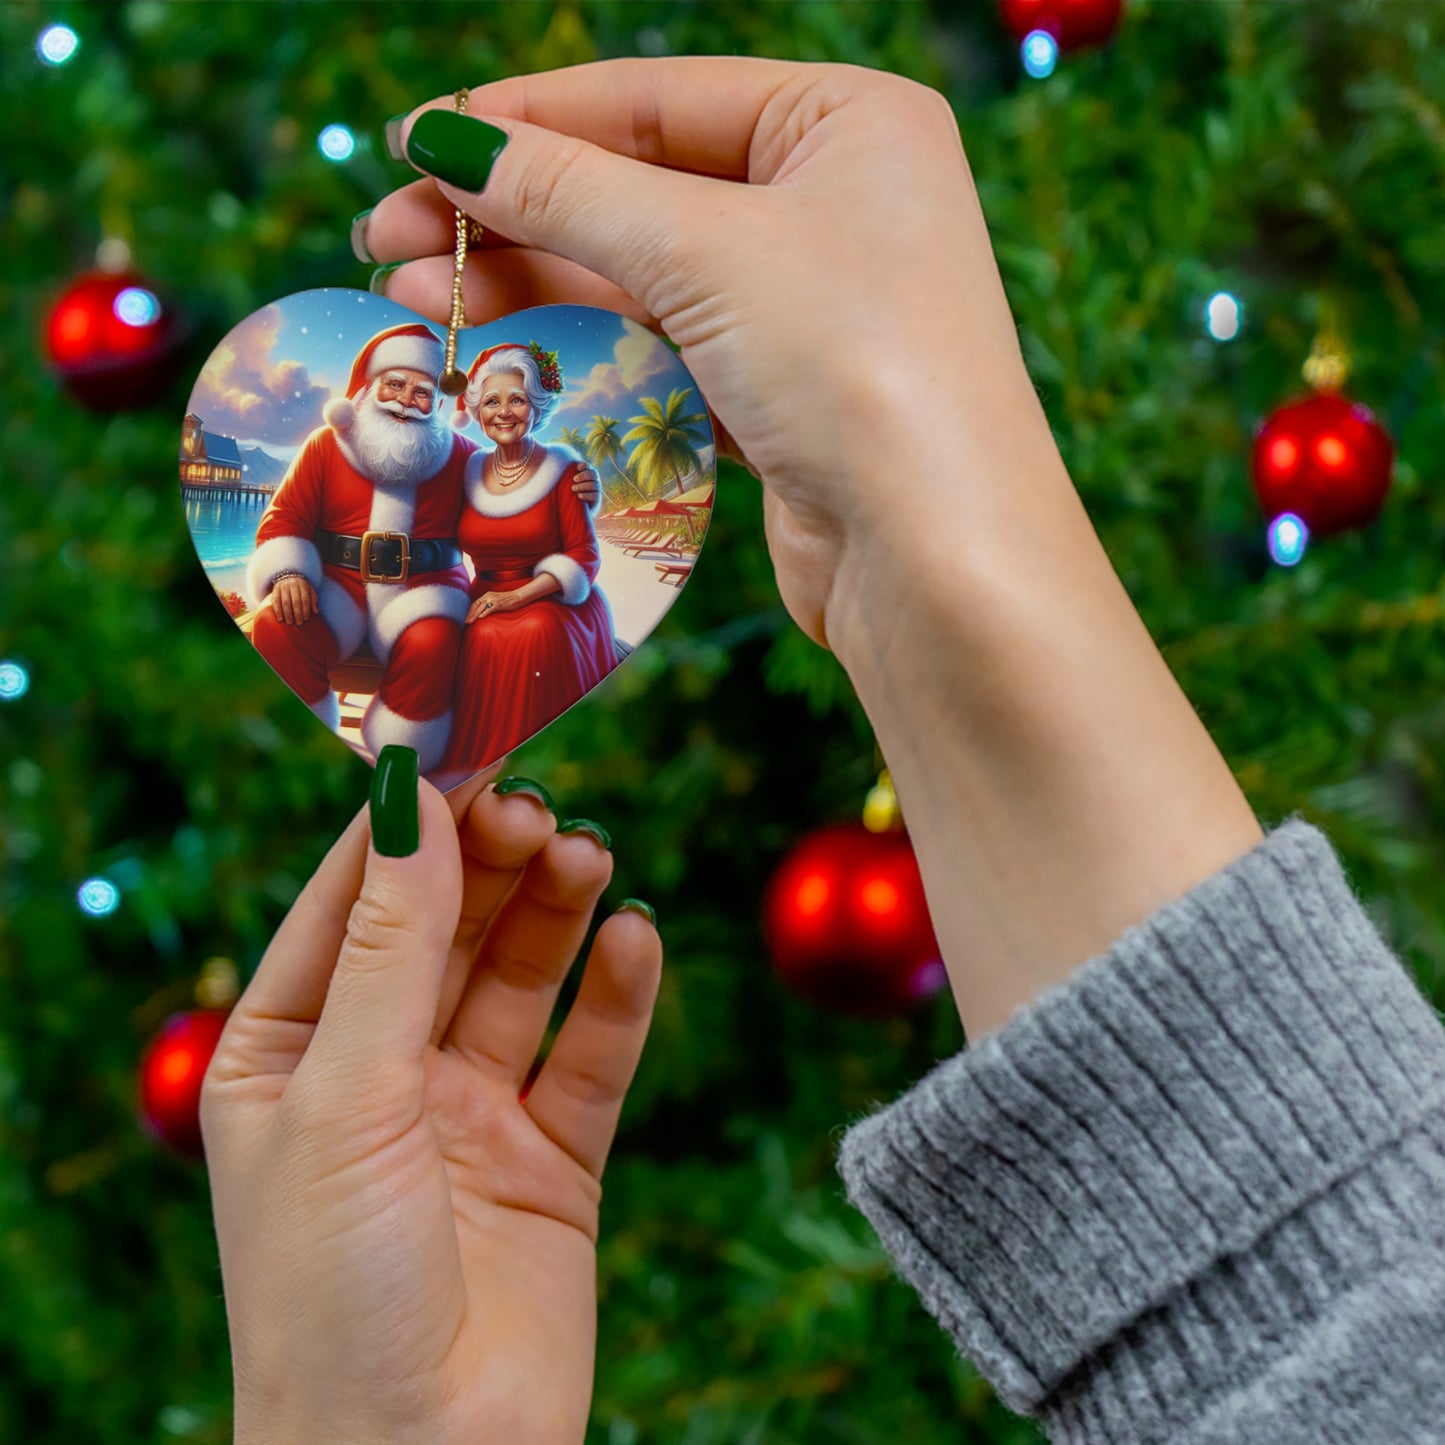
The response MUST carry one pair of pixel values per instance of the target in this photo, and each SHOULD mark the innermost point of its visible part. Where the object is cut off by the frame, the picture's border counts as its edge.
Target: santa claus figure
(358, 545)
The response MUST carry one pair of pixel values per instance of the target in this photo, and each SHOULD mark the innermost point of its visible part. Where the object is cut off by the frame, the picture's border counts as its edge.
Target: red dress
(518, 670)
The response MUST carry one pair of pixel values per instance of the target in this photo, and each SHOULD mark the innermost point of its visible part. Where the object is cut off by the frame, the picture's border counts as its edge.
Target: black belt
(388, 556)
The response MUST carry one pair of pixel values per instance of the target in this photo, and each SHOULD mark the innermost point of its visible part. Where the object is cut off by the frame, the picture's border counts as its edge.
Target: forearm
(1057, 784)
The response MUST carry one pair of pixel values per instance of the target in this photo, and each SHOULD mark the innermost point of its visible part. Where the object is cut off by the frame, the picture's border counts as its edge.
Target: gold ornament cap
(219, 985)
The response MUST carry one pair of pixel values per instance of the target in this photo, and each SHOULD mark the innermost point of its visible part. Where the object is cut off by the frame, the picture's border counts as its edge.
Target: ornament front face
(427, 570)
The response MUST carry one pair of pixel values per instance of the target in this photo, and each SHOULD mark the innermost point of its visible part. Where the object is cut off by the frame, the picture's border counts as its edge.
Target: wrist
(1057, 784)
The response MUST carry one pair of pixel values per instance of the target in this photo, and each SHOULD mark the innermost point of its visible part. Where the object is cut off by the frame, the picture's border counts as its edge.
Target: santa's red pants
(416, 683)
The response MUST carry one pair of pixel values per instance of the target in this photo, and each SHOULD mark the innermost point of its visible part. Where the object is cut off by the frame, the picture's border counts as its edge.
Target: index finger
(688, 113)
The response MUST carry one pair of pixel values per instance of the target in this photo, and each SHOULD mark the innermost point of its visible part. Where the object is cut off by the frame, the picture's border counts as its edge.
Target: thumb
(382, 1000)
(635, 224)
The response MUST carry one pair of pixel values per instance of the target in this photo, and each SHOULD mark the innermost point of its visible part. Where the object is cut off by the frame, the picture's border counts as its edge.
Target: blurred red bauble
(1324, 458)
(847, 924)
(1073, 23)
(171, 1071)
(112, 342)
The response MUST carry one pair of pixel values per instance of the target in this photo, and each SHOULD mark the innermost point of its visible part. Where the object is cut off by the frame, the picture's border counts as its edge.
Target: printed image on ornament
(447, 573)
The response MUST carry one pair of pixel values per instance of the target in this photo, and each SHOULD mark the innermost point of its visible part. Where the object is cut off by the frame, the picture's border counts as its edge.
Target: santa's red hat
(411, 347)
(547, 368)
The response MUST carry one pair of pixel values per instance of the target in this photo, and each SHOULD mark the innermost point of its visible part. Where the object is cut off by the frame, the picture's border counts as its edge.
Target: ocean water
(224, 532)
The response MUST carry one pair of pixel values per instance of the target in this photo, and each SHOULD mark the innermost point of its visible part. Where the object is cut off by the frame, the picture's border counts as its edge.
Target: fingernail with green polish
(525, 785)
(593, 830)
(379, 278)
(359, 248)
(393, 137)
(395, 826)
(636, 905)
(455, 148)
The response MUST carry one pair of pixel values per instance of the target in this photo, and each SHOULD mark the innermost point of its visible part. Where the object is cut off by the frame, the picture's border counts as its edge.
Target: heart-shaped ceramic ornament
(426, 569)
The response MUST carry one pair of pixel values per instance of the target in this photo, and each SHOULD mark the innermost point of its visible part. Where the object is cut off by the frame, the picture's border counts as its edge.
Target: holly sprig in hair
(547, 365)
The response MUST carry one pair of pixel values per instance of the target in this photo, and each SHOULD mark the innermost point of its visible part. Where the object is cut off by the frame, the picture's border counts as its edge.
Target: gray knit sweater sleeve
(1197, 1191)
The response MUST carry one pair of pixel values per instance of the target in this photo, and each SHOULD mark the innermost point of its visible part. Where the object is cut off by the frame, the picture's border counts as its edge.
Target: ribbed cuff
(1128, 1197)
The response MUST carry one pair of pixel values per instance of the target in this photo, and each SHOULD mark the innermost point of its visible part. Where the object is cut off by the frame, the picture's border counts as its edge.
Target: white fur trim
(576, 584)
(461, 420)
(328, 710)
(393, 508)
(345, 619)
(381, 725)
(538, 485)
(275, 556)
(339, 414)
(406, 353)
(394, 609)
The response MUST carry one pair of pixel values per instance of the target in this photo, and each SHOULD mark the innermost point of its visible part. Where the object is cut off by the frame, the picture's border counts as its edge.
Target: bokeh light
(136, 306)
(1288, 538)
(336, 143)
(1040, 52)
(14, 681)
(98, 897)
(57, 44)
(1223, 316)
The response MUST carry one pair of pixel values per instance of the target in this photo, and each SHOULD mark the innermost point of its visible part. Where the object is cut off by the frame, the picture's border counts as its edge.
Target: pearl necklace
(509, 474)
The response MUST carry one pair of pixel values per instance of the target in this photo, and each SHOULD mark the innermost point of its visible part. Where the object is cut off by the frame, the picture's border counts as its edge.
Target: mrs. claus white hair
(503, 363)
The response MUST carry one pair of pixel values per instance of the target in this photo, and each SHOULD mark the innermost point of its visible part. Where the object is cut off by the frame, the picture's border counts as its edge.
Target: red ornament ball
(171, 1071)
(111, 341)
(847, 924)
(1324, 458)
(1073, 23)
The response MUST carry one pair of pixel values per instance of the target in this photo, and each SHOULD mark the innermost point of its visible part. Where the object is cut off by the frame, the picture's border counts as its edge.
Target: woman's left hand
(407, 1244)
(490, 603)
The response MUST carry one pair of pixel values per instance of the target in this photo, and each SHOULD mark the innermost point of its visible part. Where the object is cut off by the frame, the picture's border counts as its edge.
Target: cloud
(638, 356)
(244, 391)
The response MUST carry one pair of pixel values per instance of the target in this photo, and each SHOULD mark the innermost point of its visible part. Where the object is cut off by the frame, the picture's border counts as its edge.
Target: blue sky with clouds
(268, 380)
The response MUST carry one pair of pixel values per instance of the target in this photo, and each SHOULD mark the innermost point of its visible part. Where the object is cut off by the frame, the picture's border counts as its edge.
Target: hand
(407, 1249)
(293, 599)
(584, 485)
(490, 603)
(859, 244)
(811, 237)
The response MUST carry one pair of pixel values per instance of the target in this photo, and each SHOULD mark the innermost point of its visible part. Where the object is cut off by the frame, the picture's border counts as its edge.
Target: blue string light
(14, 681)
(1040, 53)
(136, 306)
(1288, 538)
(1223, 316)
(336, 143)
(98, 897)
(57, 44)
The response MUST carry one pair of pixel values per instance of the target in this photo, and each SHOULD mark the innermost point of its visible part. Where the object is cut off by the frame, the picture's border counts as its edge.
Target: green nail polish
(395, 826)
(593, 830)
(359, 248)
(525, 785)
(379, 278)
(455, 148)
(636, 905)
(392, 132)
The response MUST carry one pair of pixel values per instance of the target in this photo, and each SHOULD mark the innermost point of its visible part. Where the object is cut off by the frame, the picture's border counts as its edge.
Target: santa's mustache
(397, 409)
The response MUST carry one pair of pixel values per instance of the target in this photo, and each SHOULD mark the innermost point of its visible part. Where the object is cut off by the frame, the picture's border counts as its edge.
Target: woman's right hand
(811, 237)
(842, 311)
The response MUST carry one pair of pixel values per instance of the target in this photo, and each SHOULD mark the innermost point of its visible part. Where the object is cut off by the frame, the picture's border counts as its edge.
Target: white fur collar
(554, 462)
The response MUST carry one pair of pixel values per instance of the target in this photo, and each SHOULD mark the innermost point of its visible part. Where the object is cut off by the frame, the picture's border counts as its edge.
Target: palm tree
(665, 440)
(569, 436)
(601, 445)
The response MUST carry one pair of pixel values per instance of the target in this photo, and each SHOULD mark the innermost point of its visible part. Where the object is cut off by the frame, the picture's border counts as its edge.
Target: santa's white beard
(391, 452)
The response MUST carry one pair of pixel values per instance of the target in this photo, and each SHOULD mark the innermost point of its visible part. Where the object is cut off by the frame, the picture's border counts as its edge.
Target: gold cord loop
(453, 381)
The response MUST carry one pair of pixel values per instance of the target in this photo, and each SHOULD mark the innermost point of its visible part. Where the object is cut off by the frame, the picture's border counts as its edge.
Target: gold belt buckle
(367, 575)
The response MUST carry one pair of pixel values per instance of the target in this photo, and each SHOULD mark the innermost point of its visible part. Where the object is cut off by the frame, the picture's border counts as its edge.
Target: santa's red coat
(325, 489)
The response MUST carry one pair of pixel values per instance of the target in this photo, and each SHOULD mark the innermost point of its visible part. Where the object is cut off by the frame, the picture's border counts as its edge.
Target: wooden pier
(226, 491)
